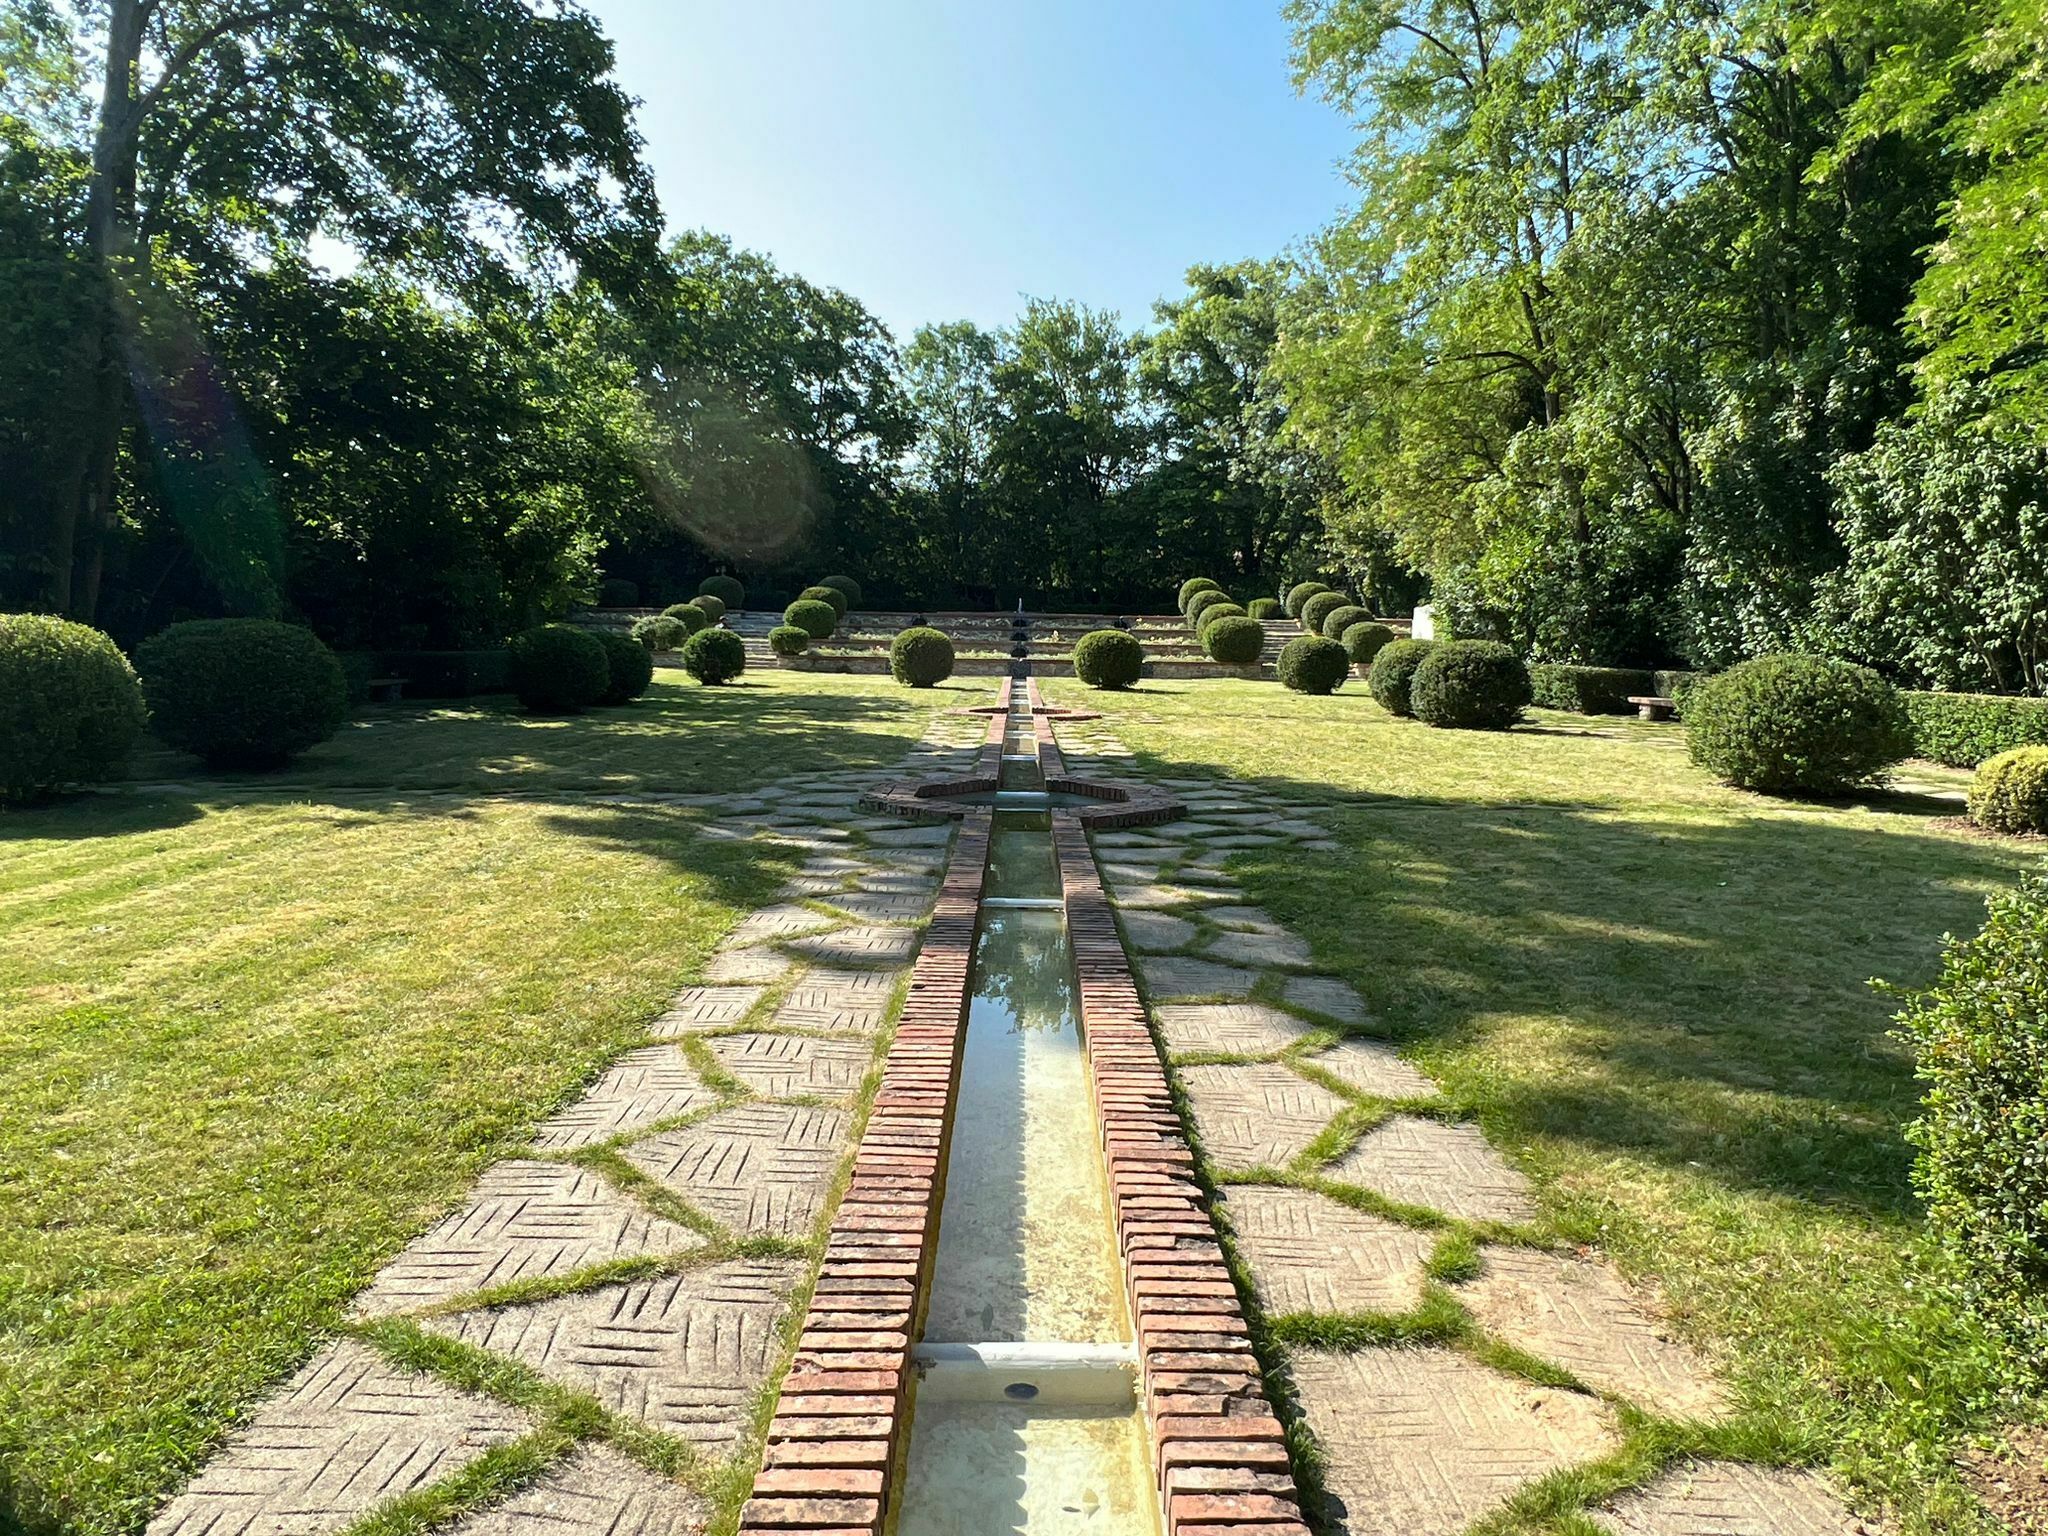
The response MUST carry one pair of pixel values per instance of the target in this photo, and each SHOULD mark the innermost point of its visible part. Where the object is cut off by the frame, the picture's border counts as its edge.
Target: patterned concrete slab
(1326, 995)
(347, 1433)
(1585, 1317)
(1422, 1442)
(1727, 1498)
(898, 882)
(759, 1168)
(684, 1353)
(1244, 1029)
(849, 1001)
(1157, 932)
(771, 925)
(596, 1492)
(696, 1008)
(1371, 1067)
(1259, 949)
(1153, 897)
(1450, 1168)
(1309, 1253)
(884, 906)
(1179, 976)
(912, 837)
(785, 1066)
(523, 1220)
(869, 944)
(641, 1087)
(749, 964)
(1254, 1116)
(1250, 919)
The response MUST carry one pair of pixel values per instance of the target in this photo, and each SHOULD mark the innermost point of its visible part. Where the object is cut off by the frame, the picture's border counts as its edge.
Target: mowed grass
(257, 1034)
(1654, 993)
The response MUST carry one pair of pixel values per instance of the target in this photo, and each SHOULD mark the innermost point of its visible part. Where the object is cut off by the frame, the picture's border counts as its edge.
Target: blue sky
(940, 159)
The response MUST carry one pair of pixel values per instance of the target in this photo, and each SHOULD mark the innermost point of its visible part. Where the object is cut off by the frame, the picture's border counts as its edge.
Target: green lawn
(1654, 992)
(257, 1033)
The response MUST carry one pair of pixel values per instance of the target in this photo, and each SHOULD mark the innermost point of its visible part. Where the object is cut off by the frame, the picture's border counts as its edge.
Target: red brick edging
(843, 1410)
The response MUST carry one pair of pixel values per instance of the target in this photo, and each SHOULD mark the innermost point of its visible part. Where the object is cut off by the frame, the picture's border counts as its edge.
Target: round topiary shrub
(629, 664)
(660, 633)
(617, 592)
(788, 640)
(689, 615)
(1263, 608)
(1108, 658)
(1319, 607)
(1337, 620)
(714, 607)
(847, 588)
(557, 669)
(1207, 598)
(714, 656)
(1363, 641)
(825, 594)
(2010, 791)
(1312, 664)
(1198, 584)
(1211, 612)
(70, 707)
(1393, 669)
(920, 657)
(727, 589)
(1476, 685)
(1301, 593)
(1796, 724)
(245, 693)
(1235, 640)
(813, 616)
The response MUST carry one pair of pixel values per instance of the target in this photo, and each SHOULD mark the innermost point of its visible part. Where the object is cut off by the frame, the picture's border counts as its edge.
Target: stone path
(727, 1126)
(1342, 1173)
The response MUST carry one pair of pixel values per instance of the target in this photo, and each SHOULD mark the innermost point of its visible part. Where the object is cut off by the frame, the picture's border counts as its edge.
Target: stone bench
(1650, 706)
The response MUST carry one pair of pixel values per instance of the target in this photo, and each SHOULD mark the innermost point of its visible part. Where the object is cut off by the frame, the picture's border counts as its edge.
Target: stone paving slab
(1422, 1442)
(1243, 1029)
(1157, 932)
(1450, 1168)
(523, 1220)
(756, 964)
(1326, 995)
(696, 1008)
(1168, 976)
(1259, 949)
(1251, 919)
(1727, 1498)
(1585, 1317)
(785, 1066)
(684, 1353)
(935, 836)
(347, 1433)
(1253, 1116)
(1153, 897)
(758, 1168)
(1309, 1253)
(884, 906)
(596, 1492)
(829, 999)
(641, 1087)
(771, 925)
(869, 944)
(1371, 1067)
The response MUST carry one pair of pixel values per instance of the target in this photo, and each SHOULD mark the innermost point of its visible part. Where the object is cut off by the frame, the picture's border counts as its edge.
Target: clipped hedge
(1312, 664)
(1365, 640)
(558, 669)
(727, 589)
(1300, 593)
(825, 594)
(1190, 587)
(920, 656)
(714, 656)
(1337, 620)
(1471, 685)
(2010, 791)
(243, 693)
(713, 606)
(630, 666)
(1980, 1037)
(1963, 729)
(617, 592)
(1265, 608)
(814, 617)
(1213, 611)
(1320, 607)
(448, 674)
(847, 588)
(70, 707)
(1236, 640)
(1393, 670)
(1108, 658)
(661, 633)
(1796, 724)
(788, 640)
(689, 615)
(1589, 690)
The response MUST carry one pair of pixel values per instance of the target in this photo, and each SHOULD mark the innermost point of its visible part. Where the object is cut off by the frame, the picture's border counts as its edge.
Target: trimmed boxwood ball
(825, 594)
(1208, 597)
(727, 589)
(558, 669)
(1301, 593)
(1235, 640)
(1312, 664)
(689, 615)
(920, 656)
(1393, 669)
(714, 607)
(70, 707)
(247, 693)
(1363, 641)
(1796, 724)
(1108, 658)
(846, 587)
(1189, 588)
(1211, 612)
(1263, 608)
(813, 616)
(1337, 620)
(788, 640)
(630, 666)
(1319, 607)
(714, 656)
(2010, 791)
(1476, 685)
(661, 633)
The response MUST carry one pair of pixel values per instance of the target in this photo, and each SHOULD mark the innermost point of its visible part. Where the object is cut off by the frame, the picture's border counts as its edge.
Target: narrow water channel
(1026, 1418)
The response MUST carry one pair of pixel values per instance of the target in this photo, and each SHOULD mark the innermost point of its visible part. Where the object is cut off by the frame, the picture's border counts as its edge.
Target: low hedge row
(448, 674)
(1963, 729)
(1589, 690)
